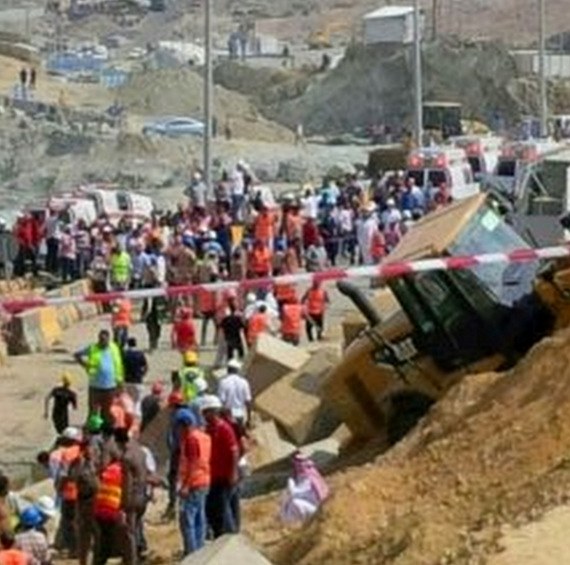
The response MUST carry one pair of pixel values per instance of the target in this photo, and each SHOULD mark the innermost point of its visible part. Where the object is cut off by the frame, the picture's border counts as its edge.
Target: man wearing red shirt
(28, 235)
(183, 335)
(223, 469)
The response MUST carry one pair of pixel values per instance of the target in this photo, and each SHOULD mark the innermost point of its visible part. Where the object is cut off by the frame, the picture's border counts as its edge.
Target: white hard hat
(210, 402)
(390, 202)
(212, 234)
(197, 176)
(234, 364)
(46, 505)
(71, 433)
(250, 298)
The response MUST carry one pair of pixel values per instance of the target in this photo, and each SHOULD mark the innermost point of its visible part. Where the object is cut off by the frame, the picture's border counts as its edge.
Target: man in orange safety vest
(315, 301)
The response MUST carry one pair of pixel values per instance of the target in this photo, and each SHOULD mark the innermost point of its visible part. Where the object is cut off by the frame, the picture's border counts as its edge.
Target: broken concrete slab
(227, 550)
(269, 360)
(268, 445)
(296, 403)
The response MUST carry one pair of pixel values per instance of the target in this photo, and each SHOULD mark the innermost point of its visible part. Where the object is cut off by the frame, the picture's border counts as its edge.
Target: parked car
(174, 127)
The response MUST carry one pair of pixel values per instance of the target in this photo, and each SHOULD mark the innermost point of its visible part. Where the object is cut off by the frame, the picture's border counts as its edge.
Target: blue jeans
(193, 525)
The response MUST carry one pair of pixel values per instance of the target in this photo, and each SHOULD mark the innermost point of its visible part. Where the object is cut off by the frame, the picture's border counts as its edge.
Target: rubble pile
(493, 451)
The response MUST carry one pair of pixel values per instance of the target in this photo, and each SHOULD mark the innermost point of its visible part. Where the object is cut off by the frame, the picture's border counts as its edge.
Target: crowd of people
(104, 476)
(236, 231)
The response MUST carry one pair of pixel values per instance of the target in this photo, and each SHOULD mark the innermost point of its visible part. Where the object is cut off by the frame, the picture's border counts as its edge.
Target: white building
(391, 24)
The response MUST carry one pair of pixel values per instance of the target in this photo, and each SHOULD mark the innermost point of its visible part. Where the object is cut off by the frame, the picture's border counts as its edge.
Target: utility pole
(542, 69)
(208, 95)
(418, 113)
(434, 19)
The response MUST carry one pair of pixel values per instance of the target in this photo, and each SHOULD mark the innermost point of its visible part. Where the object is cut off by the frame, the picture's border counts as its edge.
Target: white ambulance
(118, 204)
(483, 152)
(432, 167)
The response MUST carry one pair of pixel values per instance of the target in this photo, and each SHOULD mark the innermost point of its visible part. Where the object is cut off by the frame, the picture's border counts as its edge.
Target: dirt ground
(26, 380)
(493, 452)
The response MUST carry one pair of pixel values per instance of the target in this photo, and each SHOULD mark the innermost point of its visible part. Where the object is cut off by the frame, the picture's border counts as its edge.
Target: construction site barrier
(384, 270)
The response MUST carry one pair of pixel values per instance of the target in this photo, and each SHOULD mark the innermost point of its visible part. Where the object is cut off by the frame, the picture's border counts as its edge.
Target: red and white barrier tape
(382, 270)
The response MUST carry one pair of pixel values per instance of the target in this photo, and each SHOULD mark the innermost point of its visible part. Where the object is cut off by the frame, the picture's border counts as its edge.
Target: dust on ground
(495, 450)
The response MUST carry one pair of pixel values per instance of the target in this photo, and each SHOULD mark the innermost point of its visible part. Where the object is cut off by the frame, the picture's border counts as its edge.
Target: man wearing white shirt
(237, 191)
(53, 235)
(235, 393)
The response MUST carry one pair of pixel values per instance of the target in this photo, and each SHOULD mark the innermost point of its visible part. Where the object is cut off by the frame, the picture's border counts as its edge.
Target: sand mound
(495, 450)
(179, 92)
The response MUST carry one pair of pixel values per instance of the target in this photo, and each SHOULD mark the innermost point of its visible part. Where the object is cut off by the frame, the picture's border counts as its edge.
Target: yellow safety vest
(94, 361)
(120, 267)
(190, 388)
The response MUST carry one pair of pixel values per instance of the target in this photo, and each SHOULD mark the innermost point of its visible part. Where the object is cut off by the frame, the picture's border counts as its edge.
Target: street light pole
(208, 95)
(542, 69)
(418, 114)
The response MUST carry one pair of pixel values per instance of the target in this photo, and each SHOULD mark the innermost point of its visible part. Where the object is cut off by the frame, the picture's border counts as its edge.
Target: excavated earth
(494, 451)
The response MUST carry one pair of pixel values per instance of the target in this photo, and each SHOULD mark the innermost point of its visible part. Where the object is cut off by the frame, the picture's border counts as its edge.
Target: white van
(437, 166)
(118, 204)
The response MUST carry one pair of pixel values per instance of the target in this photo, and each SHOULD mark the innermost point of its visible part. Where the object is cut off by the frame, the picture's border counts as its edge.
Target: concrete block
(268, 446)
(227, 550)
(296, 403)
(34, 330)
(269, 360)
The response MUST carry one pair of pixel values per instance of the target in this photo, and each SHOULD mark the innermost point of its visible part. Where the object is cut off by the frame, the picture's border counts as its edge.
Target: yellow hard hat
(65, 379)
(190, 357)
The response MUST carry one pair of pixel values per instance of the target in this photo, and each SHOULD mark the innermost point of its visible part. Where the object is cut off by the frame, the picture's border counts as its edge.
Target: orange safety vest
(122, 314)
(13, 557)
(291, 320)
(257, 324)
(195, 460)
(109, 495)
(285, 292)
(264, 226)
(260, 261)
(293, 226)
(316, 301)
